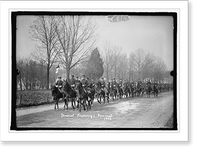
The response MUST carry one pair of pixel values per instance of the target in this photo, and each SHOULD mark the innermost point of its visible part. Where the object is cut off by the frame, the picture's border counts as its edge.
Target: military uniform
(84, 82)
(120, 84)
(91, 84)
(148, 83)
(59, 84)
(72, 82)
(103, 84)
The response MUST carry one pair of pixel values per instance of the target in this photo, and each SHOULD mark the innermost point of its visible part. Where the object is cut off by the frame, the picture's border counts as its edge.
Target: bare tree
(160, 69)
(122, 67)
(148, 66)
(111, 60)
(108, 52)
(43, 30)
(76, 35)
(136, 62)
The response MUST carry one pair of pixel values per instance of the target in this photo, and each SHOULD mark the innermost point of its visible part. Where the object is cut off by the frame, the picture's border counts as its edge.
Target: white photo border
(181, 7)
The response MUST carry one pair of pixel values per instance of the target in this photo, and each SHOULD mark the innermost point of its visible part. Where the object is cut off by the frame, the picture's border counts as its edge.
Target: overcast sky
(152, 33)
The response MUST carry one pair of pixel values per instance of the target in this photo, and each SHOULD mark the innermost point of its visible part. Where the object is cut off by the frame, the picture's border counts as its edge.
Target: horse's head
(66, 86)
(54, 90)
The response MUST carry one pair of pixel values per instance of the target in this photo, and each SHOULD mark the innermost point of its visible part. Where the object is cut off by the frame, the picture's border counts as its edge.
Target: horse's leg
(73, 103)
(55, 104)
(99, 97)
(64, 103)
(79, 105)
(92, 100)
(112, 96)
(108, 97)
(84, 104)
(89, 103)
(67, 100)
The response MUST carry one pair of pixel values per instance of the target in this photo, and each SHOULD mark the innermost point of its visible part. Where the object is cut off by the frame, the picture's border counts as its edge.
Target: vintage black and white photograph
(94, 70)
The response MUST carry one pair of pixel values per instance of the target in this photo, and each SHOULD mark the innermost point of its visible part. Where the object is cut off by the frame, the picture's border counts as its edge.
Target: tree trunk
(47, 85)
(107, 75)
(67, 72)
(20, 79)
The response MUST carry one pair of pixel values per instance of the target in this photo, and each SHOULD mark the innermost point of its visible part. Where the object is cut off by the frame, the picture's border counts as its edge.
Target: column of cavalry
(82, 92)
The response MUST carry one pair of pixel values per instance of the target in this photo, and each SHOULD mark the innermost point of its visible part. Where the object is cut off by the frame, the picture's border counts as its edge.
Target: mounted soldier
(120, 89)
(72, 82)
(103, 83)
(148, 83)
(120, 83)
(114, 83)
(84, 82)
(155, 89)
(125, 83)
(91, 84)
(148, 88)
(59, 84)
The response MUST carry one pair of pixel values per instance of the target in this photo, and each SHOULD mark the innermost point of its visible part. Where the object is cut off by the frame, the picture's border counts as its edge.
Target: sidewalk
(40, 108)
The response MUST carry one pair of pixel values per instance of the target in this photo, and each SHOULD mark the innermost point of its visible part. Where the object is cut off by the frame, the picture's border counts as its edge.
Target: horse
(113, 92)
(91, 94)
(148, 89)
(57, 95)
(138, 91)
(133, 90)
(82, 96)
(120, 89)
(143, 90)
(100, 93)
(155, 90)
(126, 91)
(108, 87)
(70, 95)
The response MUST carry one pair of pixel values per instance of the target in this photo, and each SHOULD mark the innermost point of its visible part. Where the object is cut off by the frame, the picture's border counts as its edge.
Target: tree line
(109, 64)
(140, 64)
(69, 41)
(33, 74)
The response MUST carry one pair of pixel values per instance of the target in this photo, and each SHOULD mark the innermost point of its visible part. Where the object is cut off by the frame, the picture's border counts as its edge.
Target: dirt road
(128, 113)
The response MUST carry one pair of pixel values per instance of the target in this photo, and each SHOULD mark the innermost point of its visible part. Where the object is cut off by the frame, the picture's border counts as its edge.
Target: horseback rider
(103, 83)
(155, 84)
(139, 83)
(120, 83)
(125, 83)
(59, 83)
(72, 81)
(91, 84)
(149, 83)
(84, 82)
(114, 83)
